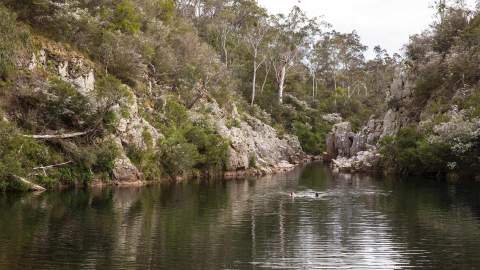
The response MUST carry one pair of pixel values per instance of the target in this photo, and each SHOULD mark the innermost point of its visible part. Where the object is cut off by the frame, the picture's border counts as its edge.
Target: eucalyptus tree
(293, 35)
(255, 32)
(324, 59)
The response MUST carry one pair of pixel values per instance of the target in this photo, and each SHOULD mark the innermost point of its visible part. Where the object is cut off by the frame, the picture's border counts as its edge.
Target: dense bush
(409, 153)
(312, 138)
(146, 161)
(125, 17)
(14, 39)
(177, 156)
(59, 106)
(18, 155)
(212, 147)
(88, 161)
(429, 81)
(186, 148)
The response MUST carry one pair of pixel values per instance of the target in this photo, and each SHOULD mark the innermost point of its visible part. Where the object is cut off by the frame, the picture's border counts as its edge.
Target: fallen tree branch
(58, 136)
(30, 186)
(52, 166)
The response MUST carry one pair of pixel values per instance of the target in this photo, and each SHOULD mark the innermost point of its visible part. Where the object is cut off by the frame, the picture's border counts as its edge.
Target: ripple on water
(353, 224)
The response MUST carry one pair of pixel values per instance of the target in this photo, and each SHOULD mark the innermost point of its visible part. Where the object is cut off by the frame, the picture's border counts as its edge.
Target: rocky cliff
(452, 127)
(253, 145)
(358, 151)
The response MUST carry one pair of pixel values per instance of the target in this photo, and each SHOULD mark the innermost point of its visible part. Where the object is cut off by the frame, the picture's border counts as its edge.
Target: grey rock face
(125, 171)
(399, 99)
(390, 123)
(359, 143)
(251, 139)
(358, 151)
(342, 142)
(364, 161)
(123, 168)
(351, 151)
(344, 138)
(131, 129)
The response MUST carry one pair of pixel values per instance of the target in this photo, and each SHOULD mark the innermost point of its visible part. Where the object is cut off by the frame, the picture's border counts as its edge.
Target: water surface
(354, 223)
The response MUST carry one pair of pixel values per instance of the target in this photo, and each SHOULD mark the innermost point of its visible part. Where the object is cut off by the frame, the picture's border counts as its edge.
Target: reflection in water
(355, 222)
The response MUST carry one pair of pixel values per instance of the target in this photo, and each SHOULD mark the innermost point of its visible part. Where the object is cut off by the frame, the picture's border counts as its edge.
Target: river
(354, 223)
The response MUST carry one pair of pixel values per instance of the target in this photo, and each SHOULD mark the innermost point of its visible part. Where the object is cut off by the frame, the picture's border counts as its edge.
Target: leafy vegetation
(409, 153)
(15, 39)
(18, 155)
(169, 56)
(189, 147)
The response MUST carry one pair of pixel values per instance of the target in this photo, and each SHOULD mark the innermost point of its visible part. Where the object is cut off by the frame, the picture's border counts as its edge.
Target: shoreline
(226, 175)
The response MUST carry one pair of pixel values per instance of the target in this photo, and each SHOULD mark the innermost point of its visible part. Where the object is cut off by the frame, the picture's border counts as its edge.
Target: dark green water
(355, 223)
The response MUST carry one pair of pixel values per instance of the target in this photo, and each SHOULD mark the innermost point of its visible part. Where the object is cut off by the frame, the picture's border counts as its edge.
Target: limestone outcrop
(358, 151)
(350, 151)
(254, 145)
(131, 129)
(252, 142)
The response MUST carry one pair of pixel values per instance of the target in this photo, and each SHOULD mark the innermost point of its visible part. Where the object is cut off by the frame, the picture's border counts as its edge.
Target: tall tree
(255, 33)
(293, 33)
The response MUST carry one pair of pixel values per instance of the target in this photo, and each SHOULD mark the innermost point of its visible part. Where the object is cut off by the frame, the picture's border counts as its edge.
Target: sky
(388, 23)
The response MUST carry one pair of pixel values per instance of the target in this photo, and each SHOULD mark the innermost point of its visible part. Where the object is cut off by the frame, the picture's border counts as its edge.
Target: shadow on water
(355, 222)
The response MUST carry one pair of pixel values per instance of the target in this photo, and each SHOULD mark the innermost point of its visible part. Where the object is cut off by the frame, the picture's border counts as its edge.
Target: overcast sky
(387, 23)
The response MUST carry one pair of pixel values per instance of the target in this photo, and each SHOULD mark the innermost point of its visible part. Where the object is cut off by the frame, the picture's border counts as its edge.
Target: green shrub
(126, 18)
(430, 80)
(212, 147)
(122, 56)
(110, 92)
(166, 10)
(88, 161)
(176, 115)
(232, 122)
(177, 156)
(252, 161)
(106, 153)
(59, 107)
(18, 154)
(472, 103)
(313, 138)
(409, 153)
(146, 161)
(67, 107)
(189, 146)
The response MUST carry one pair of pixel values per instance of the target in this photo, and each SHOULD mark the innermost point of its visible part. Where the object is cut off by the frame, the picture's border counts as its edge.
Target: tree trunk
(29, 185)
(224, 46)
(267, 71)
(334, 81)
(58, 136)
(52, 166)
(313, 86)
(281, 83)
(254, 80)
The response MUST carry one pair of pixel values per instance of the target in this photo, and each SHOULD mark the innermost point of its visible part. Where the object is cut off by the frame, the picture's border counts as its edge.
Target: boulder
(125, 171)
(123, 168)
(364, 161)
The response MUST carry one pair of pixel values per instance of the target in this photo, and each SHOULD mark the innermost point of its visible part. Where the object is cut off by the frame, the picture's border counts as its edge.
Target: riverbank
(282, 167)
